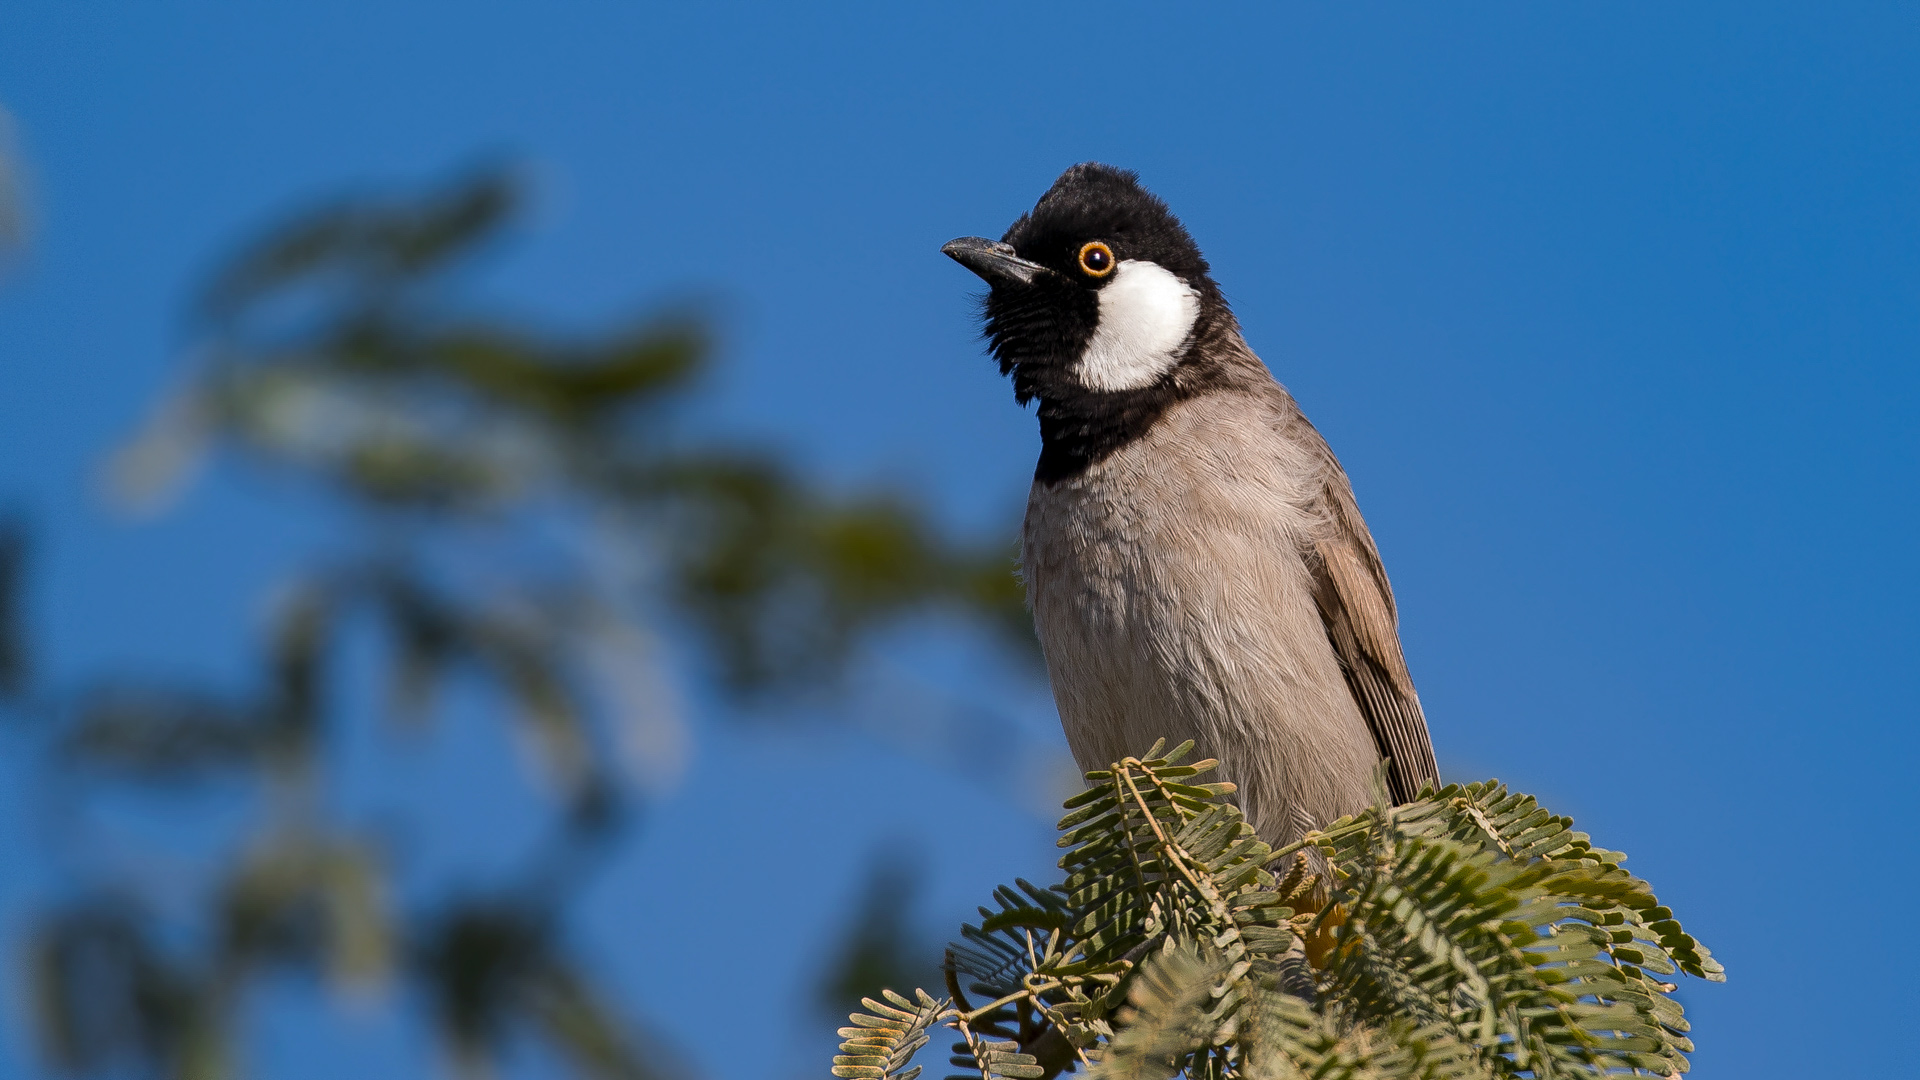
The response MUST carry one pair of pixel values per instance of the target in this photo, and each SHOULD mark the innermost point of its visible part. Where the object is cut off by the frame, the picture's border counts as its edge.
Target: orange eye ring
(1096, 259)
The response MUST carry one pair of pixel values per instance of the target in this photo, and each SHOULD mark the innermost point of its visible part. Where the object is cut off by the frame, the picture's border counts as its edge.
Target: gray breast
(1172, 599)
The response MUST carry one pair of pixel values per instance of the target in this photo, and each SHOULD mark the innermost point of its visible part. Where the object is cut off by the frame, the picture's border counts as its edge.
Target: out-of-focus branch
(528, 519)
(13, 191)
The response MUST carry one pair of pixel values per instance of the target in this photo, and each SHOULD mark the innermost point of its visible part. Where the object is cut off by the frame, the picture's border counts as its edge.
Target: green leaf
(882, 1040)
(1473, 935)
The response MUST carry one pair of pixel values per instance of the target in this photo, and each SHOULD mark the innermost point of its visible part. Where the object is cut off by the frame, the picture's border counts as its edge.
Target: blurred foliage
(332, 349)
(1467, 935)
(882, 945)
(523, 515)
(13, 604)
(13, 195)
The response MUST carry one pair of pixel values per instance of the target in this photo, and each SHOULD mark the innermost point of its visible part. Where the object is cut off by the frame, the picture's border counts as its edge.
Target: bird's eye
(1096, 259)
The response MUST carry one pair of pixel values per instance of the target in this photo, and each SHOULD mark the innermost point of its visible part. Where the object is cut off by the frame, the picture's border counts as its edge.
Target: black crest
(1099, 202)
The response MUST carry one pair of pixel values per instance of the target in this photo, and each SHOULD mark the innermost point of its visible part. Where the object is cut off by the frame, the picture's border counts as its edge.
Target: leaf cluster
(13, 210)
(1468, 934)
(338, 347)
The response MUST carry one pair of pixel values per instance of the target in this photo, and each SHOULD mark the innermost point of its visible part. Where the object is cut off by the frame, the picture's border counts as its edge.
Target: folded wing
(1356, 603)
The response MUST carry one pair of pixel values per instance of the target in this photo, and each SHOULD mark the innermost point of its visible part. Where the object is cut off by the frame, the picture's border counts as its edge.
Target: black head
(1102, 308)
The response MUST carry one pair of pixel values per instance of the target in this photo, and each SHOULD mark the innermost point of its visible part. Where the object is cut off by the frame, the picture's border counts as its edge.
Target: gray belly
(1180, 607)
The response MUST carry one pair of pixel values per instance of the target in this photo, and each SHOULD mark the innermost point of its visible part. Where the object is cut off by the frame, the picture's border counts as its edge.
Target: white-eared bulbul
(1193, 555)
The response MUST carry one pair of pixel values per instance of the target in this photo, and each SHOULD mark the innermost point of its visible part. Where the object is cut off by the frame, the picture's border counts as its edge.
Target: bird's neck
(1078, 431)
(1081, 428)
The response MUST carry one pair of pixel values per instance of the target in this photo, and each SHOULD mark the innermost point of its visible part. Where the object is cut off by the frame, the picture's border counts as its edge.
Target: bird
(1193, 556)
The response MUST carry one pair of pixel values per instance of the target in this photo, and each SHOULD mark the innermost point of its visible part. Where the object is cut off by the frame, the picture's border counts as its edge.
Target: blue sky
(1610, 311)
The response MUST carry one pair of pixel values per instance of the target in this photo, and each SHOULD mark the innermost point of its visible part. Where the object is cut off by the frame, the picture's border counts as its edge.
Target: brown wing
(1356, 603)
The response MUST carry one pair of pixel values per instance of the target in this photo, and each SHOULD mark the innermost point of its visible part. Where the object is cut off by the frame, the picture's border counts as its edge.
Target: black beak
(995, 262)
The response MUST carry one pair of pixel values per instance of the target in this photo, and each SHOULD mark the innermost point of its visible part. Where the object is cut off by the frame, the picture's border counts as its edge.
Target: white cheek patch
(1146, 314)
